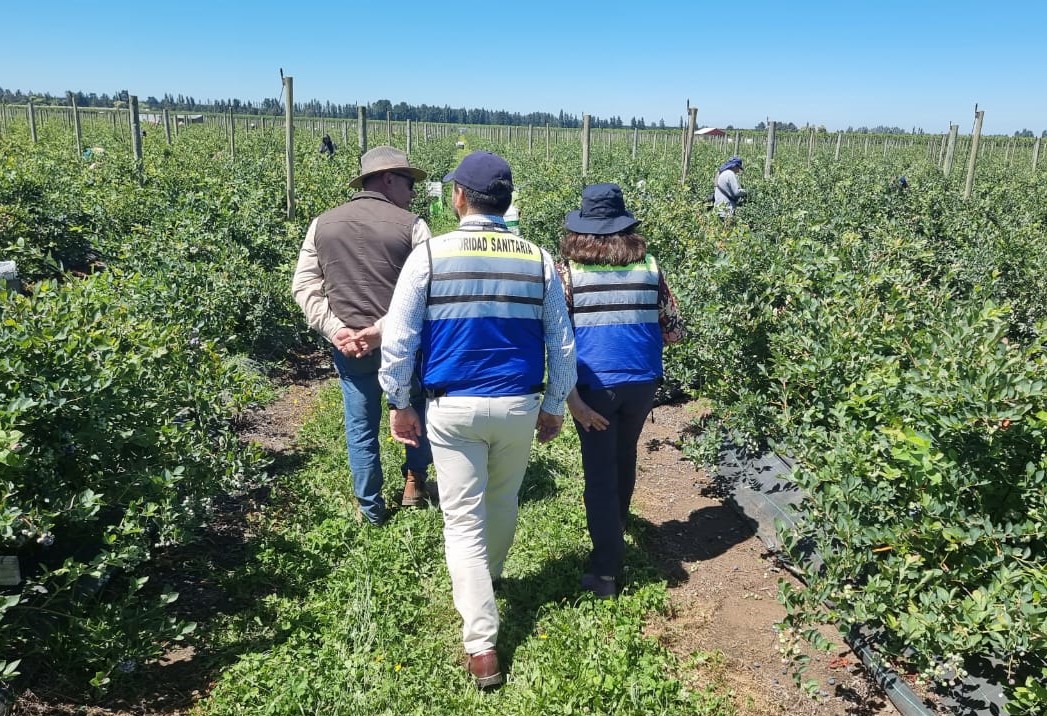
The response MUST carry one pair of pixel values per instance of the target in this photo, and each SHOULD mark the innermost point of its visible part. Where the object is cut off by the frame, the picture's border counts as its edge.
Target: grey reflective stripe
(484, 309)
(478, 297)
(467, 275)
(582, 277)
(616, 300)
(645, 286)
(610, 318)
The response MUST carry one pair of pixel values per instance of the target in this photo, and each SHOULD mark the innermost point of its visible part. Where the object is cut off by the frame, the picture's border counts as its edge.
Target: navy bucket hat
(734, 162)
(483, 172)
(603, 212)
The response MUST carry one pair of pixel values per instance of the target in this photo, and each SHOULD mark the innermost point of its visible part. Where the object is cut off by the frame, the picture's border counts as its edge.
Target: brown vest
(361, 247)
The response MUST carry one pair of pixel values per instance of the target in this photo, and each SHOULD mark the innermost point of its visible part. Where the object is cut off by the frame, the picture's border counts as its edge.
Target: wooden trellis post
(692, 117)
(32, 120)
(289, 142)
(950, 149)
(232, 135)
(361, 119)
(136, 134)
(972, 161)
(585, 144)
(772, 141)
(76, 125)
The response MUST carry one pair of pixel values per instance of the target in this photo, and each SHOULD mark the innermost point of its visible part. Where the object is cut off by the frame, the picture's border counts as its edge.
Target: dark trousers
(609, 461)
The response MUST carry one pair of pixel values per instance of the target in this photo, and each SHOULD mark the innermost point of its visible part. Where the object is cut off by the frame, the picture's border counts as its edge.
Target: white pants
(480, 451)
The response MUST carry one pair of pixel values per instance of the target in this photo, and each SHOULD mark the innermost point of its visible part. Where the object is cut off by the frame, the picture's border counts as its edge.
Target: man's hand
(357, 344)
(343, 340)
(405, 426)
(367, 340)
(548, 426)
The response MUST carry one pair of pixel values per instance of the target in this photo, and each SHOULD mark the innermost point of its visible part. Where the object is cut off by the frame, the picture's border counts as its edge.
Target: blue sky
(837, 64)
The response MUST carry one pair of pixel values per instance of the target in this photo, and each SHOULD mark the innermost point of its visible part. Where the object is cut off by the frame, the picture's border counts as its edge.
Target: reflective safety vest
(483, 333)
(617, 335)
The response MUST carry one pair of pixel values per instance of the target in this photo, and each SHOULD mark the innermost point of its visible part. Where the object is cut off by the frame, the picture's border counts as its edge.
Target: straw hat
(384, 159)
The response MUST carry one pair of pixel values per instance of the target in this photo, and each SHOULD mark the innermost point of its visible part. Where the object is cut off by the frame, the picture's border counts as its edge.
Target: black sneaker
(600, 587)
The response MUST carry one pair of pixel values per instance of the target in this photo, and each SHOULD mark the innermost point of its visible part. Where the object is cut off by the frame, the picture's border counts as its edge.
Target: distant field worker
(623, 314)
(347, 268)
(728, 192)
(327, 147)
(487, 312)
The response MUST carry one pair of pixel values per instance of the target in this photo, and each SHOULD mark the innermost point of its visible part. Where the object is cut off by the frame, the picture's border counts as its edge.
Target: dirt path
(723, 586)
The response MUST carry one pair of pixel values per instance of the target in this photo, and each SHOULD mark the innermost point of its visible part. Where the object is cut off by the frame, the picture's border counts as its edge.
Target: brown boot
(484, 669)
(414, 490)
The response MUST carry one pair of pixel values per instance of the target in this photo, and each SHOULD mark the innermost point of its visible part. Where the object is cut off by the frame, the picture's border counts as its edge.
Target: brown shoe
(484, 669)
(414, 490)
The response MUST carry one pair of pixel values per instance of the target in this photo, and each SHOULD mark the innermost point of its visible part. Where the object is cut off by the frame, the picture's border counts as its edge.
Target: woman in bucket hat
(728, 192)
(623, 313)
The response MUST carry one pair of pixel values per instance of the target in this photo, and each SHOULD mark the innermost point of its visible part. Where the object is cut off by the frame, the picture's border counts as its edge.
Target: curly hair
(605, 249)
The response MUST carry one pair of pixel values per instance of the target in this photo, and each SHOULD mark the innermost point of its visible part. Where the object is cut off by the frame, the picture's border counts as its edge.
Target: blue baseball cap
(482, 172)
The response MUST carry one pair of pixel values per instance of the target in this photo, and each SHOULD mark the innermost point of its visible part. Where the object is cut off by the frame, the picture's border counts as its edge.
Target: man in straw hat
(487, 311)
(346, 272)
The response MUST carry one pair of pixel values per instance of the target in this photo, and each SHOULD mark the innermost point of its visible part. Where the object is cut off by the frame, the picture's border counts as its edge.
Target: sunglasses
(408, 177)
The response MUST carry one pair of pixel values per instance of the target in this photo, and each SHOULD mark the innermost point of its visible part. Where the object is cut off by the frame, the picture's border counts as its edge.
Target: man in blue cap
(487, 312)
(729, 192)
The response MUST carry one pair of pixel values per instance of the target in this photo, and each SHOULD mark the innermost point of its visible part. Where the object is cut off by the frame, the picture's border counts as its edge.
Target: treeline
(315, 108)
(880, 129)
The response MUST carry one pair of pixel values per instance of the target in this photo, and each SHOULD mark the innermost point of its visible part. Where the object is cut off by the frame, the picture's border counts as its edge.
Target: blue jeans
(362, 397)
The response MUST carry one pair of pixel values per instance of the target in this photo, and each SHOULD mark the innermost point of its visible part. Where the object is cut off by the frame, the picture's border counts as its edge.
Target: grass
(352, 619)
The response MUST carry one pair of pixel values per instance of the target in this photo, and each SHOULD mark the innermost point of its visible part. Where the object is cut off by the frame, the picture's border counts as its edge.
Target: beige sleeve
(307, 287)
(420, 232)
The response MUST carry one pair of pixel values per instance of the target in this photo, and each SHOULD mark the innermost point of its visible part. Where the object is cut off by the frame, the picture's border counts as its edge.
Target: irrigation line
(759, 490)
(903, 698)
